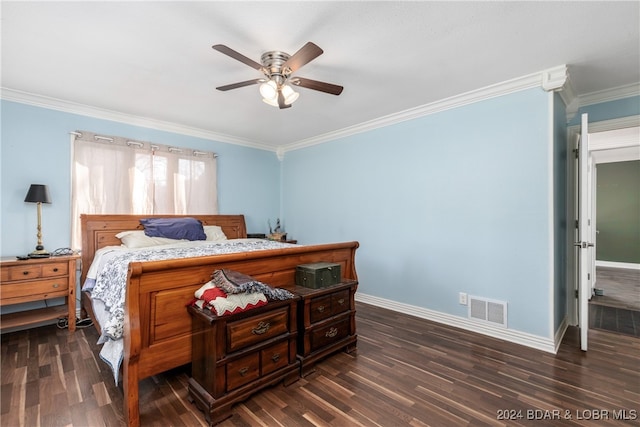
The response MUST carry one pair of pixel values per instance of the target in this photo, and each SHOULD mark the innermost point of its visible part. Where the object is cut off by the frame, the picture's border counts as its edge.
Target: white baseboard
(614, 264)
(534, 341)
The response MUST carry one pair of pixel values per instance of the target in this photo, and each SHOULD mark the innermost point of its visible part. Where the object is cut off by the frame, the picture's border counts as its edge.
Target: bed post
(132, 343)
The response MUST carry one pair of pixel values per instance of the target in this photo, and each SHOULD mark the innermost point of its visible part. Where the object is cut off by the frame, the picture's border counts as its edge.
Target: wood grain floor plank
(406, 372)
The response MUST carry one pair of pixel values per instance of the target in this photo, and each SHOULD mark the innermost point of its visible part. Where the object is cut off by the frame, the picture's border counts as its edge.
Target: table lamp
(38, 194)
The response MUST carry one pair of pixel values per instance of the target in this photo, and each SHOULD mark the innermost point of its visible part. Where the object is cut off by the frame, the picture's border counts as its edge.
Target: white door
(585, 247)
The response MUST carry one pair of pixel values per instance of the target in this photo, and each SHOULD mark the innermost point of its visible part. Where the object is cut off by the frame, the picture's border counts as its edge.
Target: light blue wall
(35, 148)
(456, 201)
(609, 110)
(560, 210)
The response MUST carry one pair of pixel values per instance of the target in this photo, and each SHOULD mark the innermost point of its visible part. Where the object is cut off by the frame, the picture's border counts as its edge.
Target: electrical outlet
(462, 298)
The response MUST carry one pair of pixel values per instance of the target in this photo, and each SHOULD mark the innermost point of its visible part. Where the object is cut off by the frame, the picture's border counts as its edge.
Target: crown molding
(614, 94)
(551, 79)
(101, 113)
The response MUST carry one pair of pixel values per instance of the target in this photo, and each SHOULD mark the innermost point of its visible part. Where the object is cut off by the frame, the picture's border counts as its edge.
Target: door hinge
(576, 152)
(577, 224)
(588, 276)
(577, 294)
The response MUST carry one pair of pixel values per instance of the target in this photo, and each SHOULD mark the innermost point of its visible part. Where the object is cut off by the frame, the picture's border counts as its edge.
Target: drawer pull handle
(321, 308)
(56, 285)
(243, 371)
(331, 333)
(55, 270)
(341, 301)
(275, 357)
(262, 328)
(25, 273)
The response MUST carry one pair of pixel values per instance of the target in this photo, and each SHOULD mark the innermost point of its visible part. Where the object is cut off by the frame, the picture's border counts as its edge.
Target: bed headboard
(100, 230)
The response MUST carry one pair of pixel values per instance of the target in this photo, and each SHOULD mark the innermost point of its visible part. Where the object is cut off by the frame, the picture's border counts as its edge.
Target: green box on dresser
(317, 275)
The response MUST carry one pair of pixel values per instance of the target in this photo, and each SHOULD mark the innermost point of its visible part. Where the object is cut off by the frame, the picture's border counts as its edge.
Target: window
(113, 175)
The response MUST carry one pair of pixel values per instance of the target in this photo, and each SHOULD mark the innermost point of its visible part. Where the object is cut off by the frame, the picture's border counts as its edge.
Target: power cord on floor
(63, 323)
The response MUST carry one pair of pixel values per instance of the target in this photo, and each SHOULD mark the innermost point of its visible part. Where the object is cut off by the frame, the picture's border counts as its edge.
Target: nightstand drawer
(320, 308)
(34, 271)
(340, 302)
(55, 269)
(242, 371)
(255, 329)
(14, 293)
(329, 334)
(274, 357)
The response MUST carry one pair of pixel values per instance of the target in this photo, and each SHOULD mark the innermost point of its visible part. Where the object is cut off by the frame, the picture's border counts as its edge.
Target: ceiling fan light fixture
(269, 90)
(289, 94)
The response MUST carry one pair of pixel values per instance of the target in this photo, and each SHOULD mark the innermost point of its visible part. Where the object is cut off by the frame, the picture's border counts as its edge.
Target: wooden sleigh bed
(157, 328)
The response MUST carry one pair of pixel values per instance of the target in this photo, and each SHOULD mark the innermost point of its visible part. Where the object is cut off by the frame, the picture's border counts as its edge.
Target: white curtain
(114, 175)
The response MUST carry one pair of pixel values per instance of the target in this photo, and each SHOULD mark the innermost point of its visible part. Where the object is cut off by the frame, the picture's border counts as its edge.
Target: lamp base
(40, 252)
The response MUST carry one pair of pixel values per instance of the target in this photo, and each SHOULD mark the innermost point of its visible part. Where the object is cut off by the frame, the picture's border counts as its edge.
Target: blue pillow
(174, 228)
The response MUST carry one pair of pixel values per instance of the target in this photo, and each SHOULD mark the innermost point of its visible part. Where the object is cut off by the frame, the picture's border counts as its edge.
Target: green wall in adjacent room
(618, 212)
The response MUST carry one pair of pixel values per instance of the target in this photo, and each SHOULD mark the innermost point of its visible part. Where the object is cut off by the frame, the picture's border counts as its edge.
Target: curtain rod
(79, 134)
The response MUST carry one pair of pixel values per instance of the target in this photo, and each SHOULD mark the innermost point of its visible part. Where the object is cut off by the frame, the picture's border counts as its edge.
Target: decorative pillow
(214, 233)
(137, 239)
(174, 228)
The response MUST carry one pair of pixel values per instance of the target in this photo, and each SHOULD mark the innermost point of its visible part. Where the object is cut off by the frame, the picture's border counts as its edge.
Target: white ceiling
(153, 60)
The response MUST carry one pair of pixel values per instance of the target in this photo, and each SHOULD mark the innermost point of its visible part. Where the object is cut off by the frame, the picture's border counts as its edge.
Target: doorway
(616, 140)
(615, 304)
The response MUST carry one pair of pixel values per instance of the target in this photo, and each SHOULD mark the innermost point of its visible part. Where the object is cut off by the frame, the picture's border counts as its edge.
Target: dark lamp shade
(38, 193)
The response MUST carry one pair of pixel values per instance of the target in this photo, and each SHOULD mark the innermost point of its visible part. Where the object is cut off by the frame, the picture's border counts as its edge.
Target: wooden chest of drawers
(38, 279)
(234, 356)
(326, 322)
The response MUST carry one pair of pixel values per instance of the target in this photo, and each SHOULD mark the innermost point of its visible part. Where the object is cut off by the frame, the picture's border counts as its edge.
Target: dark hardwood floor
(618, 309)
(406, 371)
(621, 288)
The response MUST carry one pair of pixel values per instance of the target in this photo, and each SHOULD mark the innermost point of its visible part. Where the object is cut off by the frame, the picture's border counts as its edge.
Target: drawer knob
(243, 371)
(341, 301)
(321, 308)
(275, 357)
(56, 285)
(331, 333)
(262, 328)
(25, 273)
(55, 270)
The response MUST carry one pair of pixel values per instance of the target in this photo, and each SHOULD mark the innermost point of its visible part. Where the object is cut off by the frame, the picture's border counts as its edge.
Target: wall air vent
(487, 310)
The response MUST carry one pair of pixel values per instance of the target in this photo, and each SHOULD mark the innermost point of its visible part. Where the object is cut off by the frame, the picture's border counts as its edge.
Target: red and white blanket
(211, 297)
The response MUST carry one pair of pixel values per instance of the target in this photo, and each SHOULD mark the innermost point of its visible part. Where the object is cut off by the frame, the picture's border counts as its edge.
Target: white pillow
(214, 232)
(137, 239)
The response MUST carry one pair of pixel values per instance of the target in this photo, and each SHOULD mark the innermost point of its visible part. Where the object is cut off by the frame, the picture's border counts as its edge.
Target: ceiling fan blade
(239, 84)
(306, 54)
(236, 55)
(281, 103)
(316, 85)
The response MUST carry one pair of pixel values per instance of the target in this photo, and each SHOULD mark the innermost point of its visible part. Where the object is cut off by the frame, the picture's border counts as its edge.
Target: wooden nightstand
(38, 279)
(326, 322)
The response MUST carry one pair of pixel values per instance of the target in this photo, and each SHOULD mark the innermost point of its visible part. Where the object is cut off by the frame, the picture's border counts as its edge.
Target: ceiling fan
(278, 67)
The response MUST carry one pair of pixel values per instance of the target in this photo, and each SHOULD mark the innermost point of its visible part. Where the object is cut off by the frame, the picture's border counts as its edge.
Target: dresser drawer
(243, 371)
(13, 293)
(320, 308)
(274, 357)
(340, 302)
(255, 329)
(34, 271)
(326, 306)
(330, 333)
